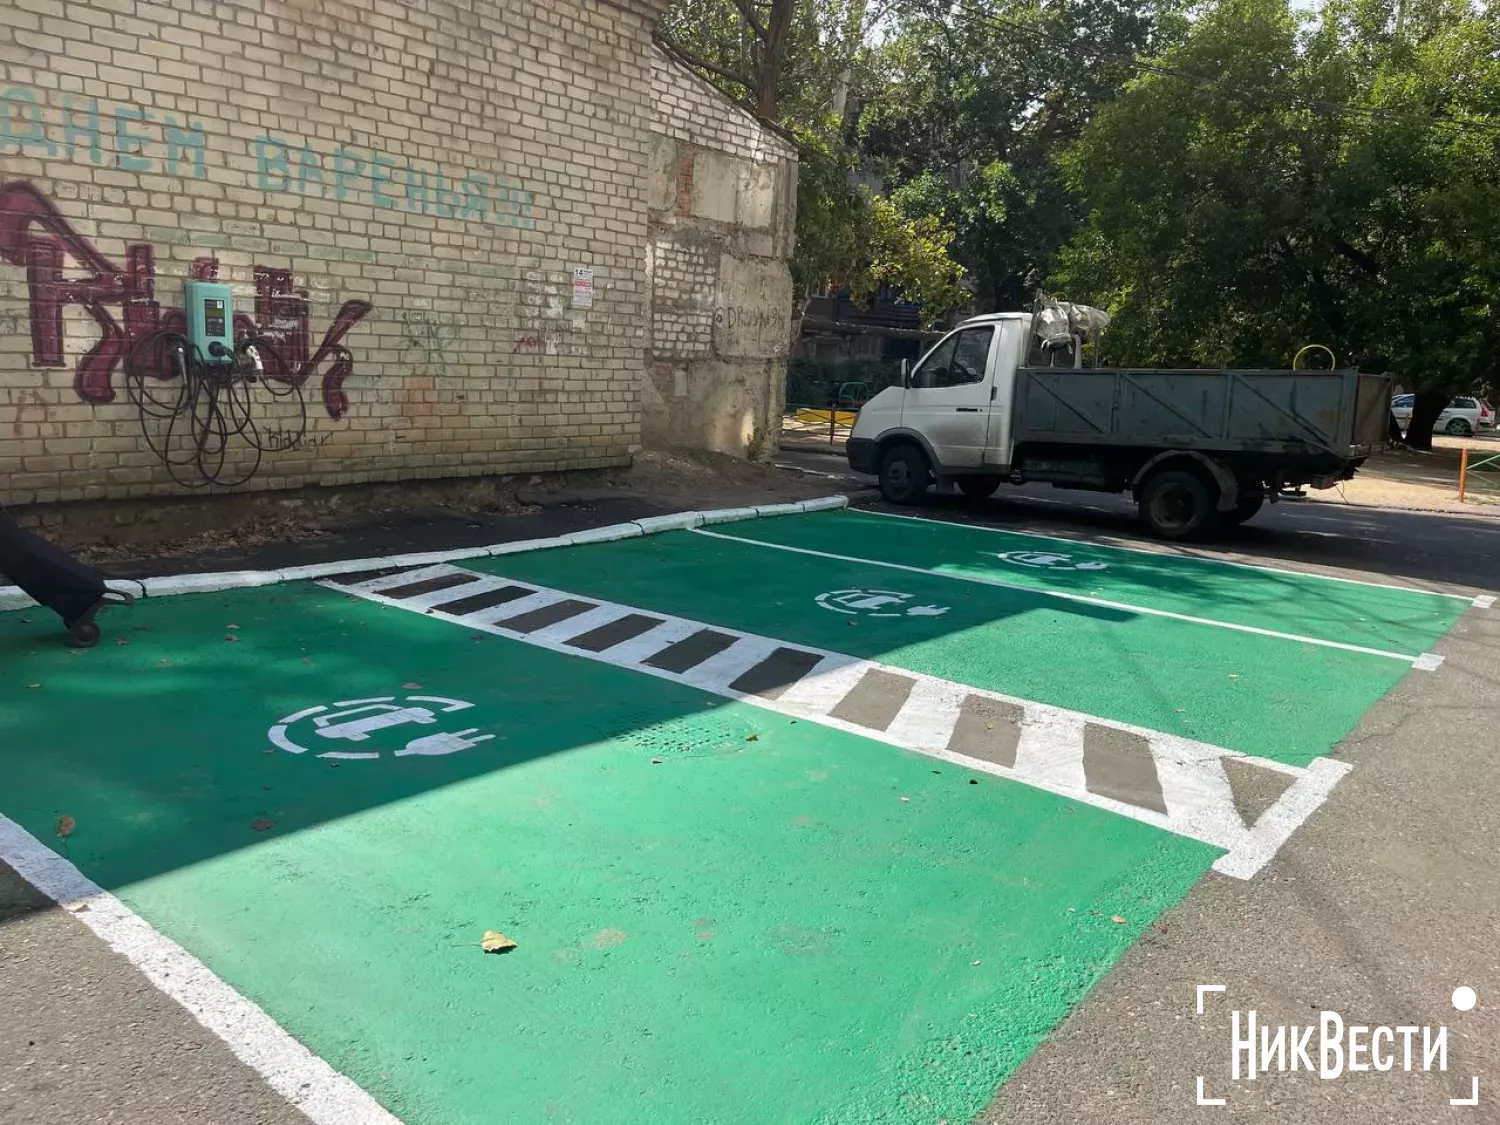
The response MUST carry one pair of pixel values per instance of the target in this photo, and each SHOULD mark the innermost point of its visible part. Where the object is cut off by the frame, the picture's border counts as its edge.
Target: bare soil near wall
(216, 531)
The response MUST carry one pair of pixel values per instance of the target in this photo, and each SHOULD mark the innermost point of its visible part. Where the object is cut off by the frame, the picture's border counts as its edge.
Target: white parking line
(324, 1095)
(1425, 662)
(1163, 554)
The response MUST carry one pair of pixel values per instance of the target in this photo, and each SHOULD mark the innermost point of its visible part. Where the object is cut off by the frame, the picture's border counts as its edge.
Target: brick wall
(399, 192)
(722, 198)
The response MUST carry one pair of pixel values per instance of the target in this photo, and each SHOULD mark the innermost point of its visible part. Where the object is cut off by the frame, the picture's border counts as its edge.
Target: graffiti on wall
(34, 236)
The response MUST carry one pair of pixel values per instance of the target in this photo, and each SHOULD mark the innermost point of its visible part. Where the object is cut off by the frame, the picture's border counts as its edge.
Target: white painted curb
(168, 585)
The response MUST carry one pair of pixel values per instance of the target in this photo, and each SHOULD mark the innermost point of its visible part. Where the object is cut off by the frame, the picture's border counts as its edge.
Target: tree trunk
(1425, 409)
(772, 59)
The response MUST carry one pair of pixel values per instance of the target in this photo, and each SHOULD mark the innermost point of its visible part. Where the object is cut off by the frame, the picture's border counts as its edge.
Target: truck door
(948, 399)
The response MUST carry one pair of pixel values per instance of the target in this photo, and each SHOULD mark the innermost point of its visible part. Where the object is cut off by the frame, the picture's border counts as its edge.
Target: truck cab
(954, 405)
(1007, 398)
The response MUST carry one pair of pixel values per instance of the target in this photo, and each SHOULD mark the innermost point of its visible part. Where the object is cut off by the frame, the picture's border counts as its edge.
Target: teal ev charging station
(210, 321)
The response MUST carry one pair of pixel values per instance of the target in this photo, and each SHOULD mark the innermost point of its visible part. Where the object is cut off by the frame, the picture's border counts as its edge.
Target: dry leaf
(231, 637)
(231, 626)
(1117, 920)
(656, 761)
(411, 687)
(496, 942)
(33, 687)
(65, 825)
(121, 641)
(753, 738)
(262, 824)
(906, 798)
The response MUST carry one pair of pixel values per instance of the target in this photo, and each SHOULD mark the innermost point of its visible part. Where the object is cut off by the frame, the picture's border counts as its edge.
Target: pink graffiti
(35, 236)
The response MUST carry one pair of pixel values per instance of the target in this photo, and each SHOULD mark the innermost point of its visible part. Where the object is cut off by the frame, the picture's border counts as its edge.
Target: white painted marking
(1464, 998)
(649, 643)
(926, 720)
(402, 578)
(482, 584)
(723, 668)
(831, 678)
(570, 627)
(1199, 801)
(1062, 595)
(1484, 601)
(1278, 822)
(1428, 662)
(1472, 1099)
(1206, 1101)
(539, 599)
(1164, 554)
(1202, 988)
(1050, 750)
(324, 1095)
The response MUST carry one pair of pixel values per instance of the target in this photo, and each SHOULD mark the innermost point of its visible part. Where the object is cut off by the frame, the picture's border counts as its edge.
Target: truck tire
(904, 474)
(978, 487)
(1249, 504)
(1177, 504)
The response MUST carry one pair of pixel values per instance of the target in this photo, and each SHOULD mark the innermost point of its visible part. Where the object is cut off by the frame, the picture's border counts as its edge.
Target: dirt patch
(1409, 479)
(195, 526)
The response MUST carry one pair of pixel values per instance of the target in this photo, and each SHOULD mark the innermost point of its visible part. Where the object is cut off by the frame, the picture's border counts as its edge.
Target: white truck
(1006, 398)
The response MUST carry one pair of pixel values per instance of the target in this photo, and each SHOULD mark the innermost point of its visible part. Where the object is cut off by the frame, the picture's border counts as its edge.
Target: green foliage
(1309, 193)
(910, 257)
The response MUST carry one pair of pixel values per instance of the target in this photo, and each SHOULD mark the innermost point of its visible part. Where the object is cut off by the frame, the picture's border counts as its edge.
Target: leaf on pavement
(411, 687)
(65, 825)
(1117, 920)
(262, 824)
(496, 942)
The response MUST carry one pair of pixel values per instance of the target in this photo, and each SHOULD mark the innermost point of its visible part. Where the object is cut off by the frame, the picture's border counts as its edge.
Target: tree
(1267, 184)
(976, 99)
(797, 64)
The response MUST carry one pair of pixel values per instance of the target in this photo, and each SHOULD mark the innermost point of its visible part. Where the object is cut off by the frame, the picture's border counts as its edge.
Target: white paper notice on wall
(583, 288)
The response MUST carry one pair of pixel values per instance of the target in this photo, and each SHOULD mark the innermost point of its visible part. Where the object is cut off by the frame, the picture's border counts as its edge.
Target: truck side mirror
(906, 372)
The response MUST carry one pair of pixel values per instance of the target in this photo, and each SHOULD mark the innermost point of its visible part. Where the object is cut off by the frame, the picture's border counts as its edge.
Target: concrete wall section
(722, 198)
(399, 193)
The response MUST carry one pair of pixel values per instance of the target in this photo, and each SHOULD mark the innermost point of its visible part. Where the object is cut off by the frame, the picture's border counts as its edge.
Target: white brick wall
(449, 162)
(689, 109)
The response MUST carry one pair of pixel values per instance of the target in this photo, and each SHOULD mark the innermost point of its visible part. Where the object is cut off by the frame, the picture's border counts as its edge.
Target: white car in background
(1464, 415)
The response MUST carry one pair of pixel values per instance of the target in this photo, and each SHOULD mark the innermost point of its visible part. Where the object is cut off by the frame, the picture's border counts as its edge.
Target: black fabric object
(47, 573)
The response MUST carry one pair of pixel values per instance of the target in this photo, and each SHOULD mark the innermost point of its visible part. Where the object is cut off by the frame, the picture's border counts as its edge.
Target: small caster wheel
(85, 634)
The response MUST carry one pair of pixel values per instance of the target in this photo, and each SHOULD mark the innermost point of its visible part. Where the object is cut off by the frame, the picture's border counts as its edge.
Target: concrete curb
(12, 598)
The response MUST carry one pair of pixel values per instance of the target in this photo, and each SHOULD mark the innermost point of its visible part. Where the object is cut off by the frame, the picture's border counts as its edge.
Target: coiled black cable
(202, 408)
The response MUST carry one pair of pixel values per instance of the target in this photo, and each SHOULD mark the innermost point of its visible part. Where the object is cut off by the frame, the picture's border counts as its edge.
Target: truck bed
(1339, 412)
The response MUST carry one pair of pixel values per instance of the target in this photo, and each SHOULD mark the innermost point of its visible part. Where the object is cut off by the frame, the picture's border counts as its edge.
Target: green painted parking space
(722, 915)
(1403, 621)
(1260, 695)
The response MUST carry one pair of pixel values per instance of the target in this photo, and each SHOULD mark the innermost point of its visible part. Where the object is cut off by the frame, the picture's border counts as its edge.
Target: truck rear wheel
(904, 474)
(1177, 504)
(1249, 504)
(978, 487)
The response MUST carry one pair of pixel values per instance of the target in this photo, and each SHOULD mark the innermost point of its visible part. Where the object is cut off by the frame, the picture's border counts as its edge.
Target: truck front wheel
(903, 474)
(1177, 504)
